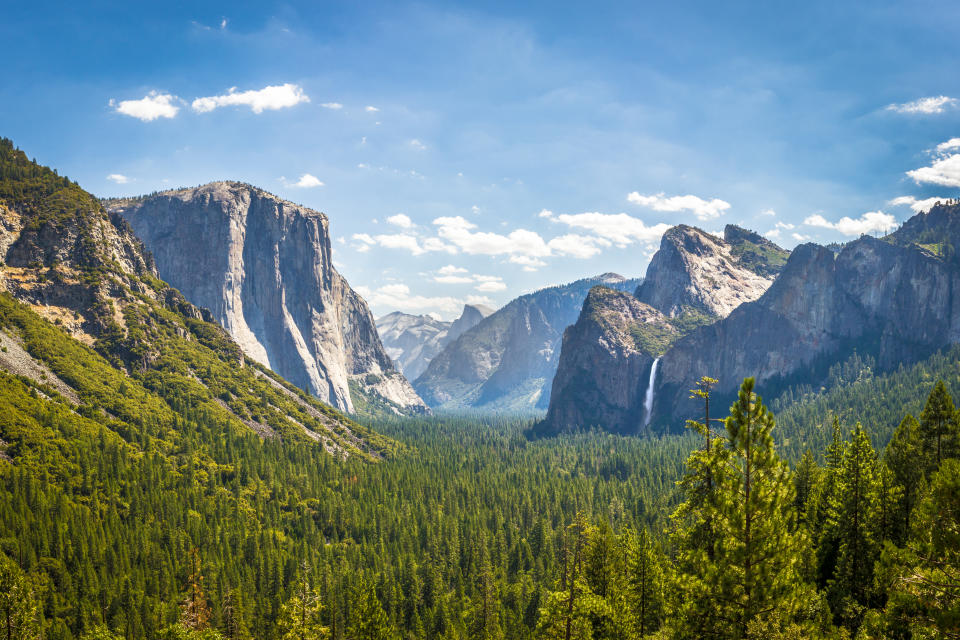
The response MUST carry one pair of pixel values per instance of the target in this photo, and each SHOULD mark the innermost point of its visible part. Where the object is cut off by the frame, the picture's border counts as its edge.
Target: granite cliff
(507, 361)
(263, 267)
(412, 341)
(694, 279)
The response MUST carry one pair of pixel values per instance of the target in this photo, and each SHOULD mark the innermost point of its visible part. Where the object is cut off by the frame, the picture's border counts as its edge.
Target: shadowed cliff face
(694, 279)
(507, 361)
(603, 370)
(895, 303)
(263, 267)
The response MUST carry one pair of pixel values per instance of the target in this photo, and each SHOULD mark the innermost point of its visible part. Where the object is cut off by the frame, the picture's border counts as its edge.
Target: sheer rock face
(412, 341)
(897, 303)
(696, 270)
(694, 278)
(604, 371)
(507, 361)
(263, 267)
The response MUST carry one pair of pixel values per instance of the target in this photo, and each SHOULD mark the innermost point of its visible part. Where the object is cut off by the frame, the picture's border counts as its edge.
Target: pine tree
(902, 457)
(645, 582)
(753, 580)
(368, 620)
(20, 606)
(938, 426)
(853, 518)
(195, 610)
(235, 617)
(301, 616)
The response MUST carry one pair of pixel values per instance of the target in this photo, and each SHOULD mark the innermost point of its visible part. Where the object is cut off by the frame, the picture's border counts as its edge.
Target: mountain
(263, 267)
(507, 361)
(895, 299)
(412, 341)
(88, 329)
(607, 357)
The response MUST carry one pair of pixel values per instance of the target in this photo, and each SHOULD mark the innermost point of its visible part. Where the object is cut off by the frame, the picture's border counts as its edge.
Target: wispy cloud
(119, 178)
(416, 144)
(331, 105)
(702, 209)
(370, 109)
(150, 107)
(867, 223)
(269, 98)
(399, 296)
(929, 105)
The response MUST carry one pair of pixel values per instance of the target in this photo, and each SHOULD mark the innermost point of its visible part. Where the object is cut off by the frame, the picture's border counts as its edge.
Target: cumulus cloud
(619, 228)
(768, 212)
(451, 269)
(702, 209)
(269, 98)
(490, 285)
(150, 107)
(929, 105)
(370, 109)
(400, 220)
(118, 178)
(401, 241)
(918, 206)
(944, 171)
(773, 234)
(949, 145)
(578, 246)
(520, 242)
(868, 222)
(306, 181)
(545, 213)
(331, 105)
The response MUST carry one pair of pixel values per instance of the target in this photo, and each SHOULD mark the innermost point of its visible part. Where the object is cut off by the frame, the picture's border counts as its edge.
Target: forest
(475, 529)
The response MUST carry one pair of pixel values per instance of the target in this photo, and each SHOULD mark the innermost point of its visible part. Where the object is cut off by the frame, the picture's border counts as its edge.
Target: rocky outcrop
(507, 361)
(694, 270)
(412, 341)
(263, 267)
(604, 367)
(893, 299)
(694, 279)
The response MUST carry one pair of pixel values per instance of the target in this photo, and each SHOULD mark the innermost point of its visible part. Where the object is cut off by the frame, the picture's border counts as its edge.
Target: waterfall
(648, 399)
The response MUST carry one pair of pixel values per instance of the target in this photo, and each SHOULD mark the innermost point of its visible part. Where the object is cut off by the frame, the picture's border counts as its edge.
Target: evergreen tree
(938, 426)
(645, 582)
(853, 519)
(753, 579)
(301, 616)
(902, 457)
(20, 612)
(368, 620)
(235, 617)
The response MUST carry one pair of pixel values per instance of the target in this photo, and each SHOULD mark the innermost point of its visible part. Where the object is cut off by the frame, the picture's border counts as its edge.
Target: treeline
(483, 534)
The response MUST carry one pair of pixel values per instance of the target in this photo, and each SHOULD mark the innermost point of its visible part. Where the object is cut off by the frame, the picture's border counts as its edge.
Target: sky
(472, 152)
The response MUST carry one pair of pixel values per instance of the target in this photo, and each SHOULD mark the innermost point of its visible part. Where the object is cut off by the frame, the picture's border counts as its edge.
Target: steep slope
(892, 299)
(412, 341)
(694, 279)
(605, 364)
(507, 361)
(263, 267)
(85, 316)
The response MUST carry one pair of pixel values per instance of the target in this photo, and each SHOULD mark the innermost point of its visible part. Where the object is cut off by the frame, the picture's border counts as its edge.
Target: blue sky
(473, 152)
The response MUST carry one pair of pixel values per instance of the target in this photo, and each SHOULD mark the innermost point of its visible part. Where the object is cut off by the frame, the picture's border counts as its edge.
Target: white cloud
(933, 104)
(785, 225)
(436, 244)
(400, 241)
(152, 106)
(364, 237)
(370, 109)
(269, 98)
(416, 144)
(545, 213)
(223, 23)
(400, 220)
(773, 234)
(578, 246)
(398, 296)
(768, 212)
(331, 105)
(800, 237)
(944, 171)
(306, 181)
(702, 209)
(453, 279)
(458, 231)
(475, 209)
(918, 206)
(949, 145)
(620, 228)
(528, 263)
(451, 269)
(870, 221)
(489, 286)
(118, 178)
